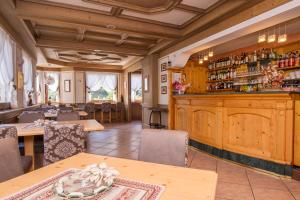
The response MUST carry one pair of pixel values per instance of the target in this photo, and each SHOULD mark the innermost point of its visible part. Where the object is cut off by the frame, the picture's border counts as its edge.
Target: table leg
(29, 148)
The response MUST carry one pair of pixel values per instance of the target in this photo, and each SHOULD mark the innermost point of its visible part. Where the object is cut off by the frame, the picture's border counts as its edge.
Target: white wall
(162, 98)
(67, 97)
(80, 87)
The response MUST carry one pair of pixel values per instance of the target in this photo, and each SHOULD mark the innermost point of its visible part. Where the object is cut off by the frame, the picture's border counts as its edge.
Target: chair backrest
(106, 107)
(119, 106)
(62, 141)
(164, 146)
(8, 131)
(67, 116)
(30, 116)
(90, 107)
(67, 108)
(10, 165)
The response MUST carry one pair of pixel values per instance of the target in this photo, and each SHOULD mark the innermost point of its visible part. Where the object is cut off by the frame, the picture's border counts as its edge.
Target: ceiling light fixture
(210, 53)
(205, 58)
(272, 38)
(282, 37)
(261, 38)
(200, 61)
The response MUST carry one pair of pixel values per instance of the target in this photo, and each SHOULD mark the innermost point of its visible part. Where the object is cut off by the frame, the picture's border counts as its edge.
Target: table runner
(122, 189)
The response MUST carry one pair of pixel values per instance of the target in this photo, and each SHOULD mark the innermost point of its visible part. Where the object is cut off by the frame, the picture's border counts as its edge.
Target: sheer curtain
(6, 67)
(95, 81)
(52, 80)
(27, 71)
(136, 87)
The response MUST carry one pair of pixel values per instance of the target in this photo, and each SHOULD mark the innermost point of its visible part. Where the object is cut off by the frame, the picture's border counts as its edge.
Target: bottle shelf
(220, 81)
(239, 84)
(220, 68)
(220, 90)
(289, 68)
(248, 75)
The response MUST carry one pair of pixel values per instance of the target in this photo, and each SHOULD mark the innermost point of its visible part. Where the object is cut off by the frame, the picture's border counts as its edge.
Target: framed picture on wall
(146, 83)
(164, 90)
(163, 67)
(163, 78)
(67, 85)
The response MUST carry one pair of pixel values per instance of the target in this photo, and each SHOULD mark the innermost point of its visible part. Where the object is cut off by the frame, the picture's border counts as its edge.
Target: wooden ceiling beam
(190, 8)
(88, 46)
(31, 10)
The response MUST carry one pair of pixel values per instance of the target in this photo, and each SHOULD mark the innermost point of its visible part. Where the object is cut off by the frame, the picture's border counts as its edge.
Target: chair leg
(101, 117)
(109, 117)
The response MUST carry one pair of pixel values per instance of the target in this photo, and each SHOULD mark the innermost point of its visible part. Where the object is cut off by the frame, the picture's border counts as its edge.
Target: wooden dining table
(28, 131)
(179, 183)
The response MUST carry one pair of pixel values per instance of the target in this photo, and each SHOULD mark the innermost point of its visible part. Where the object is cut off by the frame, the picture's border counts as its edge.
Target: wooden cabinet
(206, 126)
(257, 125)
(182, 117)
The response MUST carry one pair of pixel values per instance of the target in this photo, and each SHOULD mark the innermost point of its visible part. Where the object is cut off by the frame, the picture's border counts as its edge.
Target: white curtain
(27, 71)
(136, 85)
(95, 81)
(54, 86)
(6, 67)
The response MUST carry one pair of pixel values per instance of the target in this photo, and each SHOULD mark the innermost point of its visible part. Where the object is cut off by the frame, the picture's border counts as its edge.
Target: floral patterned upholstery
(8, 131)
(62, 141)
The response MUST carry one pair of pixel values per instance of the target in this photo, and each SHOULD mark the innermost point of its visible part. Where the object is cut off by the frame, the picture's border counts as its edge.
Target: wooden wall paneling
(196, 75)
(289, 131)
(297, 134)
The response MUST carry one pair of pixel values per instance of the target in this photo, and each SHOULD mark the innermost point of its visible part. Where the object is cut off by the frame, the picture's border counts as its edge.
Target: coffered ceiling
(115, 32)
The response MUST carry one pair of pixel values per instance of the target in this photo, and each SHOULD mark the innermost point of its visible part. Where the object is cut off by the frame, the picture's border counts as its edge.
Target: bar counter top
(236, 93)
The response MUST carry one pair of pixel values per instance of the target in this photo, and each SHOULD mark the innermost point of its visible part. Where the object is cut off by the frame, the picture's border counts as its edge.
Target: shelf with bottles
(289, 68)
(221, 90)
(221, 68)
(249, 87)
(221, 80)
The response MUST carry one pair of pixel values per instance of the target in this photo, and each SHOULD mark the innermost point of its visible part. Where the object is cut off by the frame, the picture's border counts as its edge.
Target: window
(101, 86)
(6, 68)
(52, 81)
(27, 71)
(136, 87)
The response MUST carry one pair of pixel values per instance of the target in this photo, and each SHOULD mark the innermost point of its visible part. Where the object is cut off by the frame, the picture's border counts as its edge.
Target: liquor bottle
(255, 56)
(297, 59)
(286, 60)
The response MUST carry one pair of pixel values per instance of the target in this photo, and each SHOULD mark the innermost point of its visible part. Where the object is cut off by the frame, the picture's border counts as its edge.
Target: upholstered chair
(168, 147)
(30, 116)
(10, 164)
(90, 109)
(67, 116)
(106, 110)
(63, 141)
(10, 132)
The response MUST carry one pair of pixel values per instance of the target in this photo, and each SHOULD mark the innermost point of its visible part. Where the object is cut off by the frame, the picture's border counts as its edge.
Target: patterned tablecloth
(122, 189)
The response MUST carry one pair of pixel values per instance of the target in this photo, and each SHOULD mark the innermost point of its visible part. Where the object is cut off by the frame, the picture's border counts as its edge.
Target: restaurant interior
(148, 100)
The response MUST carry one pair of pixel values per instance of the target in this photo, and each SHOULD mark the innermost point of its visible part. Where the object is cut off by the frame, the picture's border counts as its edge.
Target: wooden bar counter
(259, 129)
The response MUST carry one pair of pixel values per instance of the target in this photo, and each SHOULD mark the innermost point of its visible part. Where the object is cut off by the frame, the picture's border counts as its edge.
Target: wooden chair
(164, 146)
(118, 109)
(63, 141)
(105, 110)
(90, 109)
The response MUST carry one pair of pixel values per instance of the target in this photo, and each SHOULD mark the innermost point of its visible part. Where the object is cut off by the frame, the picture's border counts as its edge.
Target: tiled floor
(234, 181)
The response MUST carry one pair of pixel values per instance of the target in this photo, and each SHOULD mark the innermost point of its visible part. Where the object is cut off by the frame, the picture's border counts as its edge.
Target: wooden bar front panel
(259, 126)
